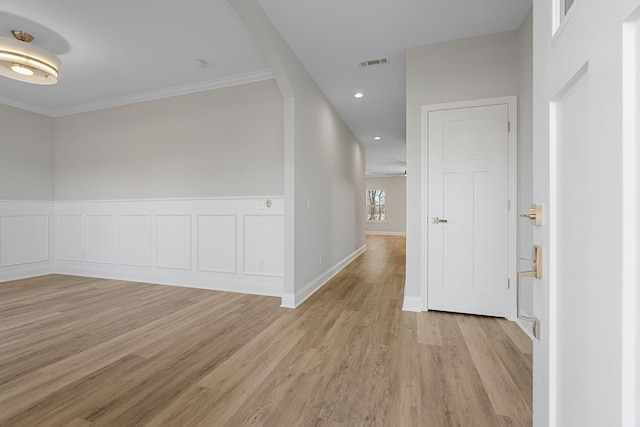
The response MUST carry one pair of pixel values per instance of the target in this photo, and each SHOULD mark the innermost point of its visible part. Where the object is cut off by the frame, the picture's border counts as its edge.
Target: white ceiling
(121, 51)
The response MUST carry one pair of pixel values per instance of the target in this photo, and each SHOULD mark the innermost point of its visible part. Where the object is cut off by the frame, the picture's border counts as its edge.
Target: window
(561, 9)
(376, 200)
(567, 6)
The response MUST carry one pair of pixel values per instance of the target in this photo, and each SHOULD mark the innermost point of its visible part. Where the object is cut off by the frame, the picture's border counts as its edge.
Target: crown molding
(220, 83)
(24, 106)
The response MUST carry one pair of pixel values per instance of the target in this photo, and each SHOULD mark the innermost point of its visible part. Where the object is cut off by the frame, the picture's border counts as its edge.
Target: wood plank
(501, 389)
(517, 335)
(428, 330)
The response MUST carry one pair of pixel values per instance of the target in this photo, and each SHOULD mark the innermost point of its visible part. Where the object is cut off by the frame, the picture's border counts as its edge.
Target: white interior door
(586, 362)
(468, 195)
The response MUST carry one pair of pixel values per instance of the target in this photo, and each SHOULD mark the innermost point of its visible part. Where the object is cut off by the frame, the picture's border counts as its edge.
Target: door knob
(436, 220)
(535, 214)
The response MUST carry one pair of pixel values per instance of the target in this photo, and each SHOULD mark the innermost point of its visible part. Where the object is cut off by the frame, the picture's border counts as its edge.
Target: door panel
(468, 187)
(451, 239)
(572, 195)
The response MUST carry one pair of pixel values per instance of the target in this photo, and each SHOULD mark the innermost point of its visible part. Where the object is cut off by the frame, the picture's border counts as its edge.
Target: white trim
(218, 83)
(290, 300)
(25, 106)
(166, 199)
(526, 328)
(414, 304)
(512, 102)
(171, 277)
(386, 233)
(25, 271)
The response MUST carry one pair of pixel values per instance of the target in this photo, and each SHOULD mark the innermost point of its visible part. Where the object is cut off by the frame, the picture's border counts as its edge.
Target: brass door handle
(535, 214)
(536, 263)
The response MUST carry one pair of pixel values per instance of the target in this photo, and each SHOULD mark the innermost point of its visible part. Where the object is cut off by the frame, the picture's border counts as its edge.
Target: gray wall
(324, 164)
(26, 155)
(395, 188)
(473, 68)
(224, 142)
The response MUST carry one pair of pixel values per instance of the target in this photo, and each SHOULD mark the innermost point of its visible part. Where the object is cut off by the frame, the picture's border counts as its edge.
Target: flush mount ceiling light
(377, 138)
(22, 61)
(358, 95)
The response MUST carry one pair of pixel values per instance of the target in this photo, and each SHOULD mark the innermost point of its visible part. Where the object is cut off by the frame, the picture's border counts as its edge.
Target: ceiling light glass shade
(43, 64)
(22, 69)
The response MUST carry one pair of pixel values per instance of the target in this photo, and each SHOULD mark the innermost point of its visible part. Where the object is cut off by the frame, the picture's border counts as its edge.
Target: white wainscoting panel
(101, 239)
(230, 244)
(217, 243)
(70, 237)
(263, 247)
(135, 240)
(26, 239)
(174, 241)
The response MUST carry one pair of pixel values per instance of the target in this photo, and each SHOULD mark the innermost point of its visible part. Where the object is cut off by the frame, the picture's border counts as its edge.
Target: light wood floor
(89, 352)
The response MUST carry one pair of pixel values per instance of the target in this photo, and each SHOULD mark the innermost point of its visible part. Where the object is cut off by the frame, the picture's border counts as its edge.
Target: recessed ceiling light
(377, 138)
(358, 95)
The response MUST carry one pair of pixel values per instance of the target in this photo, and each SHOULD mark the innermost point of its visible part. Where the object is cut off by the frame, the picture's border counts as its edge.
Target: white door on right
(586, 363)
(468, 155)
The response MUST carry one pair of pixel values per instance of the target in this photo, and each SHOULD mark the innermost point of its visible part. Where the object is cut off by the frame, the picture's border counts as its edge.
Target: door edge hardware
(535, 214)
(536, 263)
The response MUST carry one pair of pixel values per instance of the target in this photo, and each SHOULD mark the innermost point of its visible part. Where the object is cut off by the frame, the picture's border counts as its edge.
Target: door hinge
(508, 283)
(509, 126)
(508, 205)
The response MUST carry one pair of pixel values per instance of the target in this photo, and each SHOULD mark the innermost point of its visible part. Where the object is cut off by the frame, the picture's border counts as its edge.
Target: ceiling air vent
(370, 62)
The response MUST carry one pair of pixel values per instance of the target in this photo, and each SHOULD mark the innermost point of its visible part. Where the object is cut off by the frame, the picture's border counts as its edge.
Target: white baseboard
(175, 278)
(386, 233)
(290, 300)
(25, 272)
(412, 304)
(526, 327)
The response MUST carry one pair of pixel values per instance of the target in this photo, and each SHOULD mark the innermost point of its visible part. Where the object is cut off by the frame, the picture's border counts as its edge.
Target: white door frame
(512, 102)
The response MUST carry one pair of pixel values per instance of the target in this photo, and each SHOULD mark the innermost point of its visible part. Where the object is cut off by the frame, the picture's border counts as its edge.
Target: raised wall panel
(217, 236)
(70, 238)
(264, 245)
(135, 240)
(184, 242)
(25, 239)
(174, 241)
(101, 239)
